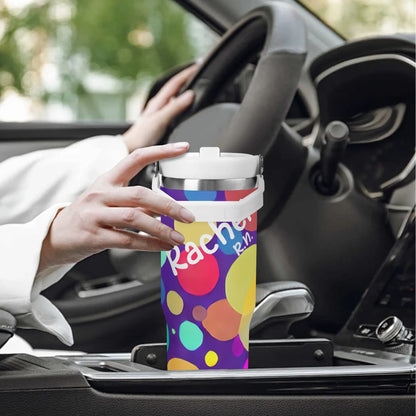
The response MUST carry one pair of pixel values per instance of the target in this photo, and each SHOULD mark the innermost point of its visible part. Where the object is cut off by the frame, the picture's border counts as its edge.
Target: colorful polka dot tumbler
(208, 286)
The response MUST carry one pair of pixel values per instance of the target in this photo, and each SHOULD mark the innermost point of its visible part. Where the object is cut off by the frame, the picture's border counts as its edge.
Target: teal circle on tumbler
(190, 335)
(162, 258)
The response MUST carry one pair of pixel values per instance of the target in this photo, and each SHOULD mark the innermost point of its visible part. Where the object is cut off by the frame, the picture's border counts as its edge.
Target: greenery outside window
(66, 60)
(359, 18)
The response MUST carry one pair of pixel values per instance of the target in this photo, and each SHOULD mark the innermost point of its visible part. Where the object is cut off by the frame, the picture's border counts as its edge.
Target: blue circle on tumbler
(162, 291)
(228, 247)
(200, 195)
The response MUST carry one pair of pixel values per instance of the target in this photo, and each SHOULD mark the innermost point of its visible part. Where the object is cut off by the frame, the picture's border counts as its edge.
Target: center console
(382, 327)
(369, 367)
(114, 384)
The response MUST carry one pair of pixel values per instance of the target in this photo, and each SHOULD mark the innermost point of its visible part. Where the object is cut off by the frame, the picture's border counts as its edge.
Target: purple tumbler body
(208, 286)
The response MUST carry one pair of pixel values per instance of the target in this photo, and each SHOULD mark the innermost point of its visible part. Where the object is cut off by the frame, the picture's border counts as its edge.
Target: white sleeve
(32, 188)
(31, 183)
(20, 287)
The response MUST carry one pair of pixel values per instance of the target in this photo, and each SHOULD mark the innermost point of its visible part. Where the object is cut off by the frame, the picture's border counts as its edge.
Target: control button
(407, 288)
(406, 302)
(365, 331)
(410, 336)
(405, 277)
(385, 300)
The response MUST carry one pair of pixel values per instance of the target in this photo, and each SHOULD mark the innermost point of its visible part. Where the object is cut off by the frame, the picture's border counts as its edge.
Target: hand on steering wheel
(151, 125)
(277, 34)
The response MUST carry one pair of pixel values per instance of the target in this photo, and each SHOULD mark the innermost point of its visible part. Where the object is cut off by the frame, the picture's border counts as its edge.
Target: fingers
(123, 218)
(138, 196)
(170, 89)
(133, 241)
(175, 106)
(136, 161)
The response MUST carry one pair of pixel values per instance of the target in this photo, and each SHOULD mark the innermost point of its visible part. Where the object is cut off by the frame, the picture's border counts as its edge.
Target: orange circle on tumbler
(180, 364)
(222, 321)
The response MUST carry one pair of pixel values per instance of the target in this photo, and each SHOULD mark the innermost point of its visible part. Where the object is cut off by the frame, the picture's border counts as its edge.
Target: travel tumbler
(208, 286)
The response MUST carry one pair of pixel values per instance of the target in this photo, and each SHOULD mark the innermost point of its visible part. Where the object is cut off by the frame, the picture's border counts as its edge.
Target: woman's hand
(101, 216)
(160, 111)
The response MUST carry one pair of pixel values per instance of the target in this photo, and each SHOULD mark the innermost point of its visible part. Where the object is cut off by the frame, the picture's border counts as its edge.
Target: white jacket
(33, 187)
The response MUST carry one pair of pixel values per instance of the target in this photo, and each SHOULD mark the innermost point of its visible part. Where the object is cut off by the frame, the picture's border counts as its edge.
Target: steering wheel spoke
(276, 33)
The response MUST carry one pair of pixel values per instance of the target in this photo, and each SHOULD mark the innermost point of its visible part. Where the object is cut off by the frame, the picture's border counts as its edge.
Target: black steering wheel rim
(279, 33)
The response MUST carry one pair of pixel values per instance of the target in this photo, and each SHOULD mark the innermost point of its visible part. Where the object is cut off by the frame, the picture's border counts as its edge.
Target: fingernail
(176, 237)
(186, 215)
(181, 145)
(187, 95)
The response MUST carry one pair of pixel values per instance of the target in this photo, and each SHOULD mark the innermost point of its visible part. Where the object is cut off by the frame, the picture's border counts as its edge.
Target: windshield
(358, 18)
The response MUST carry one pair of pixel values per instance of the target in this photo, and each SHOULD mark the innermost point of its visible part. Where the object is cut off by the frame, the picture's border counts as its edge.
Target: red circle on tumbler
(251, 224)
(200, 278)
(236, 195)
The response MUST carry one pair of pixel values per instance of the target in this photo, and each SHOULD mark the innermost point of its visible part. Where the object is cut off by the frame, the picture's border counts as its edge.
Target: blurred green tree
(359, 18)
(21, 36)
(127, 39)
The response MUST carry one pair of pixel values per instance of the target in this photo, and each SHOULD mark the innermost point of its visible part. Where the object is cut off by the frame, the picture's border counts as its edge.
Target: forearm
(31, 183)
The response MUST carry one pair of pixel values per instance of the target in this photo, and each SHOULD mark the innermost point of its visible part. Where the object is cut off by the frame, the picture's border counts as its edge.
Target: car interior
(333, 330)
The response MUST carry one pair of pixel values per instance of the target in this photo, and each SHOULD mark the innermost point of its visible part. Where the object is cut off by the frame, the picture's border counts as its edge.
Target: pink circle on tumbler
(238, 347)
(207, 270)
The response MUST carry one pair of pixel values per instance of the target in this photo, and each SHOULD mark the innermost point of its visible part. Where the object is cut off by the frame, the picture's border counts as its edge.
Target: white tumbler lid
(210, 163)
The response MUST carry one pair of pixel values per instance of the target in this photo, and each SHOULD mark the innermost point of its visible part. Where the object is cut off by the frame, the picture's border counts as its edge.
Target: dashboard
(370, 85)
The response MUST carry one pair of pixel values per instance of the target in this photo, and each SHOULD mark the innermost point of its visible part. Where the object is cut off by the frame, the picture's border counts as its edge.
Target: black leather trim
(10, 131)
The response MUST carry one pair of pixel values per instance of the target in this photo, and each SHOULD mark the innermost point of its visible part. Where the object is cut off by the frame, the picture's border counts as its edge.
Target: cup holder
(298, 366)
(262, 354)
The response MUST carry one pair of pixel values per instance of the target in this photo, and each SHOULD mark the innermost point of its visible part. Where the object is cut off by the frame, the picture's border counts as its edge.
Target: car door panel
(19, 138)
(111, 320)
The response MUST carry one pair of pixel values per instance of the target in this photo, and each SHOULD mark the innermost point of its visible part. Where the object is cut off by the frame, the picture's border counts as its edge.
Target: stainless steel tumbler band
(209, 184)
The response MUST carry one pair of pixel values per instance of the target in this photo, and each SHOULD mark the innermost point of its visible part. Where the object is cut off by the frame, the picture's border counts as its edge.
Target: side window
(66, 60)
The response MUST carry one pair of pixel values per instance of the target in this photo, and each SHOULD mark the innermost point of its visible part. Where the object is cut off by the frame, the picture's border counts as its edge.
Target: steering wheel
(313, 238)
(278, 34)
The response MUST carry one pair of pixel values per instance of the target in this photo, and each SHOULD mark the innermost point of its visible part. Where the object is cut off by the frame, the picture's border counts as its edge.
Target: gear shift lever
(278, 306)
(333, 147)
